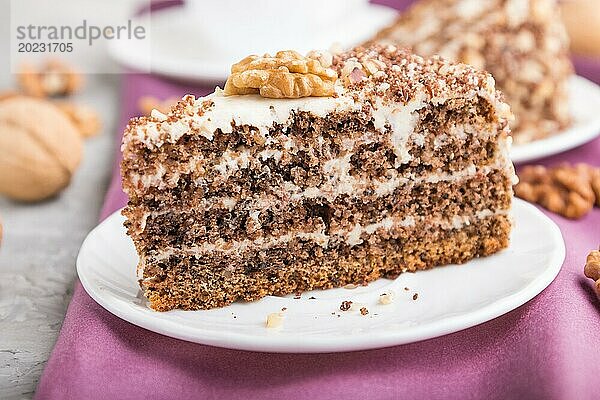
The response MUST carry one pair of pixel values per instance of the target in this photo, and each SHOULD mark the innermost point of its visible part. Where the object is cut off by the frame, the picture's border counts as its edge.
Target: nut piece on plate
(386, 298)
(274, 320)
(148, 103)
(54, 78)
(40, 149)
(568, 190)
(592, 268)
(286, 75)
(85, 118)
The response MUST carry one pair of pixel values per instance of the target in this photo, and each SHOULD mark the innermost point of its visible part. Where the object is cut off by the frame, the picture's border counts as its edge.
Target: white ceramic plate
(584, 103)
(449, 299)
(183, 47)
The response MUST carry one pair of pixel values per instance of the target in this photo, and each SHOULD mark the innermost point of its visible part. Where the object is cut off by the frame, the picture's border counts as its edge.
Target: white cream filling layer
(381, 188)
(338, 179)
(262, 114)
(352, 237)
(229, 111)
(401, 122)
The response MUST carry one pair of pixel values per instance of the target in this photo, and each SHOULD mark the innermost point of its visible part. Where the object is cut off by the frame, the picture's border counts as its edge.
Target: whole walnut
(40, 148)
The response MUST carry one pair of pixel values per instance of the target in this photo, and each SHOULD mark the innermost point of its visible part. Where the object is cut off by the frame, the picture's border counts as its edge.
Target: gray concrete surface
(41, 241)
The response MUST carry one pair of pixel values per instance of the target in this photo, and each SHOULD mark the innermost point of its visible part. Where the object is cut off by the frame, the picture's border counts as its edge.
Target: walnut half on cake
(317, 172)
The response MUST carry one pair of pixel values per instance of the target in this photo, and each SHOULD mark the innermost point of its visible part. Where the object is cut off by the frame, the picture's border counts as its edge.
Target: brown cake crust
(190, 284)
(186, 226)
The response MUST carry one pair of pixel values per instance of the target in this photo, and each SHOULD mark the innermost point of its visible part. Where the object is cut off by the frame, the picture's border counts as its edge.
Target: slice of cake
(522, 43)
(317, 172)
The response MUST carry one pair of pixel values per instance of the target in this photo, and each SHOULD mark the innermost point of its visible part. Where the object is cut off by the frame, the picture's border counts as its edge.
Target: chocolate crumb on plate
(345, 306)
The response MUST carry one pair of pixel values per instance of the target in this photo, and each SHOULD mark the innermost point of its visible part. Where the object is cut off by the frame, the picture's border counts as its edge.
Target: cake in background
(317, 172)
(523, 44)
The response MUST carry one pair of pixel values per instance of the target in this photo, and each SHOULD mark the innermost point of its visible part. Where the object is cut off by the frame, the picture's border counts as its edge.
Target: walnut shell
(40, 149)
(53, 78)
(85, 118)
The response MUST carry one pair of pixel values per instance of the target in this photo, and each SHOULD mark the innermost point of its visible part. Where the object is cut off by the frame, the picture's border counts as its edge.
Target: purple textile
(546, 349)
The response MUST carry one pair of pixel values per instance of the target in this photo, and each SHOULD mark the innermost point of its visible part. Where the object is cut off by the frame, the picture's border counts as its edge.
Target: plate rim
(210, 72)
(378, 339)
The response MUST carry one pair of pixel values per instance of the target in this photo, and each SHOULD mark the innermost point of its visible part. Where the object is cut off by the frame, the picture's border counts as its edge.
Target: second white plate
(449, 298)
(180, 49)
